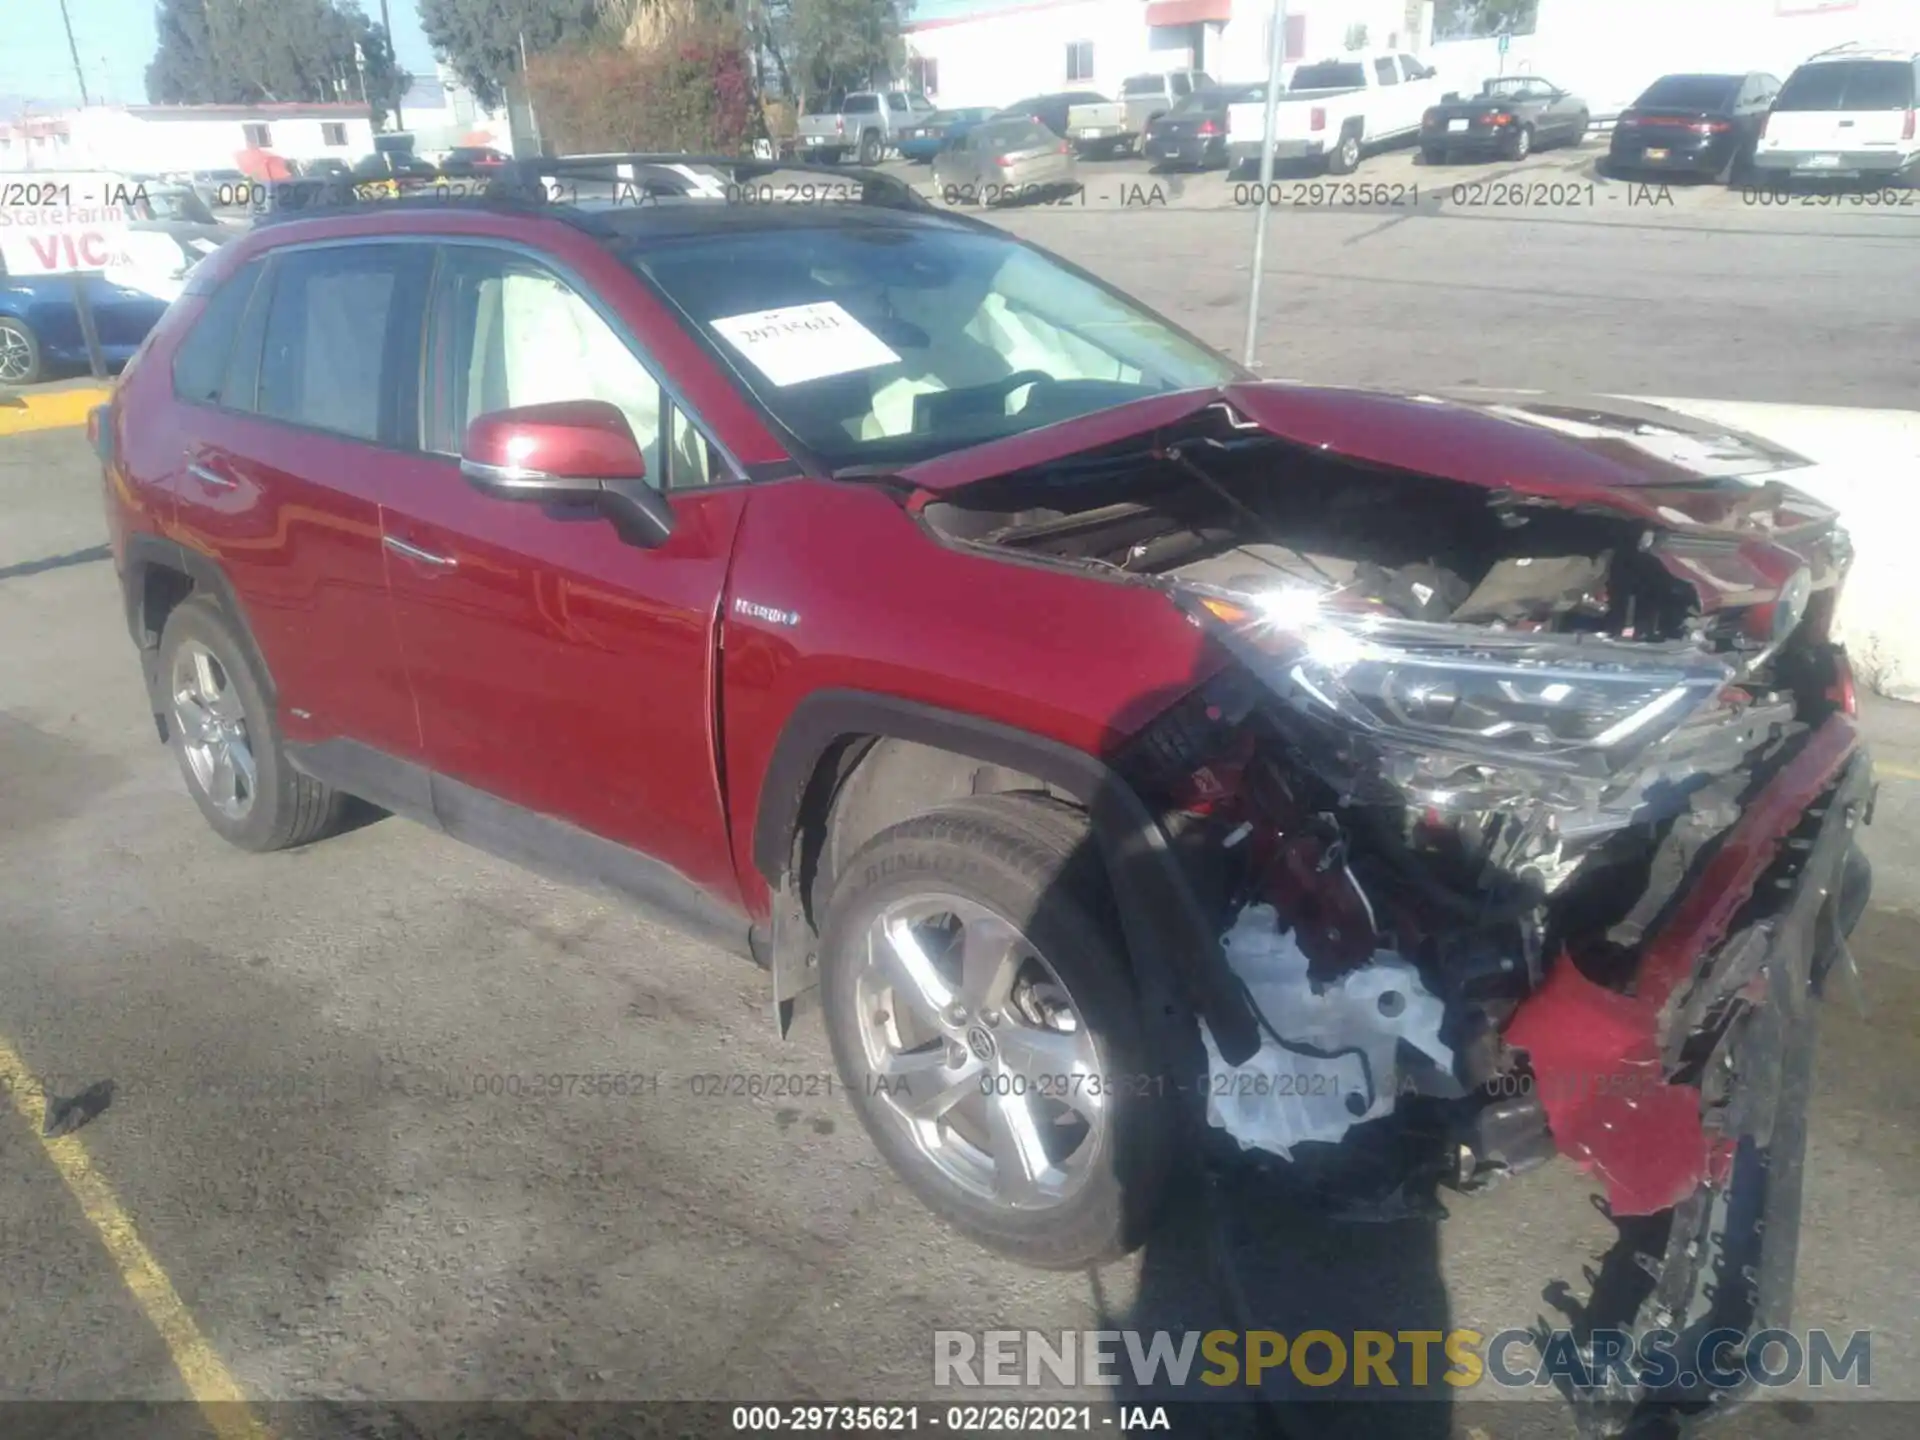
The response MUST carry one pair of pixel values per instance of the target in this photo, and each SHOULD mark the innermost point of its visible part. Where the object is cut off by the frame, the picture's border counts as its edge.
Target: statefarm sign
(59, 223)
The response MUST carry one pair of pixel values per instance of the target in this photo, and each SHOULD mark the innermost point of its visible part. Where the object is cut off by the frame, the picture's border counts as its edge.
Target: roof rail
(1856, 46)
(553, 184)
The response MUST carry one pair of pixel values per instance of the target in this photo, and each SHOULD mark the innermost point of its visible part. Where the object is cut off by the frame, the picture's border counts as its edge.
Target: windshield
(884, 345)
(1692, 92)
(1328, 75)
(1849, 85)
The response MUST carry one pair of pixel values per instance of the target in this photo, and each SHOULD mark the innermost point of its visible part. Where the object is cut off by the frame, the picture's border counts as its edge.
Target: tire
(1432, 155)
(1580, 128)
(1345, 158)
(282, 807)
(1522, 144)
(20, 359)
(993, 863)
(870, 148)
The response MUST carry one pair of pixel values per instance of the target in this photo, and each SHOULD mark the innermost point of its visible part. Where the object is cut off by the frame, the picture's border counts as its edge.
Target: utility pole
(1276, 57)
(399, 120)
(74, 50)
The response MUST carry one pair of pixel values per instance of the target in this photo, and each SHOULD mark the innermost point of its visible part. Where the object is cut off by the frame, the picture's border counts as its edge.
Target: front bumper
(1835, 164)
(1720, 1139)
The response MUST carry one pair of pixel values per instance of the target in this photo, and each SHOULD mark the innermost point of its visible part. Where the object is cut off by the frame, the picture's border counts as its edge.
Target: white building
(153, 139)
(993, 52)
(440, 113)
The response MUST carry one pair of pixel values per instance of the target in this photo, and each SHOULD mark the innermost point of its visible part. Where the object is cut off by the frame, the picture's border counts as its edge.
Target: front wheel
(1346, 156)
(983, 1018)
(19, 352)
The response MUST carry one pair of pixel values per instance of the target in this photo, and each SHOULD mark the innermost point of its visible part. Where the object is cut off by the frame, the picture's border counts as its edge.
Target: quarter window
(200, 365)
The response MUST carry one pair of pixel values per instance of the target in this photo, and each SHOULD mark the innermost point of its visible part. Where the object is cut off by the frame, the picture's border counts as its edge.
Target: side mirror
(579, 452)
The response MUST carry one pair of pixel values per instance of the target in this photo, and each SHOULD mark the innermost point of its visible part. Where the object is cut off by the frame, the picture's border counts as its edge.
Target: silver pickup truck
(1103, 129)
(866, 122)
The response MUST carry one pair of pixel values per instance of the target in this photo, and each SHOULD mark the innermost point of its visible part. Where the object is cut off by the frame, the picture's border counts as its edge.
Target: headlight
(1580, 705)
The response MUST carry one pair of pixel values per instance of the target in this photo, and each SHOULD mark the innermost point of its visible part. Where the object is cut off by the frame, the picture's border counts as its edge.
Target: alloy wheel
(16, 355)
(212, 725)
(975, 1051)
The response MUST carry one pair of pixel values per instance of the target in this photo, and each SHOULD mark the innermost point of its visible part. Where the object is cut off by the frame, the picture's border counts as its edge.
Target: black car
(1051, 110)
(1693, 125)
(1194, 132)
(467, 162)
(1511, 117)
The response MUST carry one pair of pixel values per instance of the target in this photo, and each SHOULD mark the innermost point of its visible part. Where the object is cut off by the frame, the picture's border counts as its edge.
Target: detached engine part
(1328, 1059)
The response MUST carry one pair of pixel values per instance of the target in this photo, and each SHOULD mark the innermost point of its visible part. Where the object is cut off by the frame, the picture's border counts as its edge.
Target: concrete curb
(49, 409)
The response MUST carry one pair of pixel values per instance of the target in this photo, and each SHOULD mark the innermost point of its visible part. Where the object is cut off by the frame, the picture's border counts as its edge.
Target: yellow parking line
(1899, 772)
(50, 409)
(207, 1379)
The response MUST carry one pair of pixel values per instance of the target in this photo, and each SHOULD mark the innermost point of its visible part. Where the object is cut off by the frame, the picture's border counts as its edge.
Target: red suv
(1129, 752)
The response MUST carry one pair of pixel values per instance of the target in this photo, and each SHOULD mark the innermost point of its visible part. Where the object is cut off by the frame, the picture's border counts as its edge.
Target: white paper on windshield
(798, 343)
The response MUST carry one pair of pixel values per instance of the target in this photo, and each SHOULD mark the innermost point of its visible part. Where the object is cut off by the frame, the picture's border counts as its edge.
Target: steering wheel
(989, 398)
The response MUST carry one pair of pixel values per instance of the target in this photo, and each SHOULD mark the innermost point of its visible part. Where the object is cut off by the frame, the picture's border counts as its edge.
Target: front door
(559, 669)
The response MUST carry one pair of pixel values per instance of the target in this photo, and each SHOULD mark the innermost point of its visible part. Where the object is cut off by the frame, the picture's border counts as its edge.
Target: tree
(239, 52)
(481, 39)
(844, 44)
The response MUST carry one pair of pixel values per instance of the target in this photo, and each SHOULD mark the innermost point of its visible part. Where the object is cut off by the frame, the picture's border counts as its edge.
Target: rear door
(558, 668)
(286, 442)
(1836, 106)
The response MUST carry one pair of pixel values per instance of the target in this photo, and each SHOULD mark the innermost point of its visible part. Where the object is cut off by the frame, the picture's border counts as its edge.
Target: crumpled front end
(1528, 818)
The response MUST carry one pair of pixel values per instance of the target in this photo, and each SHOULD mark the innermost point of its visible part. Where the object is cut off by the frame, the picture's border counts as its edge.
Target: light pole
(1276, 57)
(74, 50)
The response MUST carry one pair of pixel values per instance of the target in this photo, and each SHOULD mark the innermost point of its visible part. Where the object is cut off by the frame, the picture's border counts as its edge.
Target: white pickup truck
(1338, 110)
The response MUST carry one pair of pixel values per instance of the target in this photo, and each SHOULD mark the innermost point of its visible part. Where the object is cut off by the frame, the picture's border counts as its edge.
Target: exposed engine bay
(1472, 736)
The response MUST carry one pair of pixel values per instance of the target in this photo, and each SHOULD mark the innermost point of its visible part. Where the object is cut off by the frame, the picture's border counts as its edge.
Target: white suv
(1853, 112)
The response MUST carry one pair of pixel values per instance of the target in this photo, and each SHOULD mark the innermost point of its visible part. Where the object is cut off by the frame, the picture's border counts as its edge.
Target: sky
(116, 40)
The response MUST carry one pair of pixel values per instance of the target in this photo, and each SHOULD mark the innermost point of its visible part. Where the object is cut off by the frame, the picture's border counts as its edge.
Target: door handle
(414, 552)
(213, 478)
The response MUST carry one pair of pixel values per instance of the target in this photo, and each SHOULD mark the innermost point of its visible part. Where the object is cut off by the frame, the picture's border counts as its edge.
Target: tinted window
(1328, 75)
(1691, 92)
(324, 359)
(513, 334)
(862, 104)
(1849, 85)
(896, 102)
(200, 364)
(1385, 72)
(928, 326)
(1144, 85)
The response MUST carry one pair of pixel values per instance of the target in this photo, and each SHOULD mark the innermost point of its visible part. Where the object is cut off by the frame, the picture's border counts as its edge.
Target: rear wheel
(1521, 145)
(1580, 124)
(1345, 158)
(982, 1016)
(221, 726)
(870, 148)
(1433, 155)
(19, 352)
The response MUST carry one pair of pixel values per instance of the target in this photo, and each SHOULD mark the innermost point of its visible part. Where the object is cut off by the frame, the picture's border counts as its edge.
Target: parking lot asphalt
(304, 1134)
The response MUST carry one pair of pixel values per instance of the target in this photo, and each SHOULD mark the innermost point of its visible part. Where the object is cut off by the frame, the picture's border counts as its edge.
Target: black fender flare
(145, 552)
(1172, 946)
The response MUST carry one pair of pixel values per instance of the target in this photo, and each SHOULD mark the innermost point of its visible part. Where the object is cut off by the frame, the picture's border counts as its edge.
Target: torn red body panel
(1598, 1055)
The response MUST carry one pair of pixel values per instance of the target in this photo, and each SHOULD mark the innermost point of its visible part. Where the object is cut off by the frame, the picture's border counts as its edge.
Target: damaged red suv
(1130, 754)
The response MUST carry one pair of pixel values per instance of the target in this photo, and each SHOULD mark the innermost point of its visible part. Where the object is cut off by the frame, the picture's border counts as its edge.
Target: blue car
(926, 140)
(40, 329)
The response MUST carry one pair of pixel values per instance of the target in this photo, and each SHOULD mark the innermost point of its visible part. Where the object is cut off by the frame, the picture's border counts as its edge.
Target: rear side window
(1849, 85)
(1143, 85)
(324, 359)
(200, 364)
(1329, 75)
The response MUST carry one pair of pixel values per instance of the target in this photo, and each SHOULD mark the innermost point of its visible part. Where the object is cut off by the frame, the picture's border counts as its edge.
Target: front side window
(505, 332)
(862, 105)
(1329, 75)
(896, 102)
(324, 362)
(1385, 71)
(892, 345)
